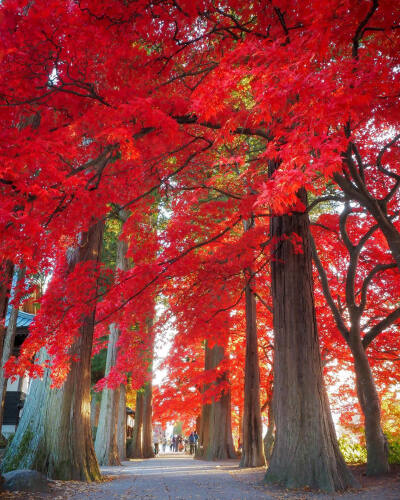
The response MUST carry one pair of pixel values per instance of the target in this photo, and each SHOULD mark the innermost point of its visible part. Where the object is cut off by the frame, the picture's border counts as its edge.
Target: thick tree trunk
(94, 413)
(106, 436)
(70, 450)
(27, 449)
(217, 441)
(121, 424)
(135, 449)
(54, 435)
(306, 452)
(205, 426)
(377, 446)
(204, 432)
(253, 450)
(106, 444)
(148, 450)
(147, 431)
(9, 341)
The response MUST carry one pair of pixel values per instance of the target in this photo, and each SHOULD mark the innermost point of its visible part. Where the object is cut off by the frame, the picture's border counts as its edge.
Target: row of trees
(218, 129)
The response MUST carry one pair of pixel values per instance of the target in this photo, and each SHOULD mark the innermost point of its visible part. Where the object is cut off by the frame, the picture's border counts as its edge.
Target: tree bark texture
(204, 432)
(109, 431)
(306, 452)
(377, 446)
(147, 437)
(106, 444)
(94, 413)
(106, 436)
(205, 426)
(135, 449)
(217, 441)
(54, 435)
(253, 449)
(121, 424)
(147, 429)
(27, 449)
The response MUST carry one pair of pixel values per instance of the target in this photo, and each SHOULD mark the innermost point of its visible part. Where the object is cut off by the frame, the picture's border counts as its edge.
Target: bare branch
(381, 168)
(361, 28)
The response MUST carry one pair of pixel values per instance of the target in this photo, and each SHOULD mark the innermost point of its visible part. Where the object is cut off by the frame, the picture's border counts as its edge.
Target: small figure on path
(192, 443)
(156, 440)
(175, 443)
(181, 445)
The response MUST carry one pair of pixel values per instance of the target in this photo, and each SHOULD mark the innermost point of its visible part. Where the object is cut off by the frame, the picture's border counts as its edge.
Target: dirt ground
(179, 477)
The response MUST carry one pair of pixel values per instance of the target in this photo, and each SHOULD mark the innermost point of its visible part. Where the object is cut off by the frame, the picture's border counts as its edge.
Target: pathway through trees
(180, 477)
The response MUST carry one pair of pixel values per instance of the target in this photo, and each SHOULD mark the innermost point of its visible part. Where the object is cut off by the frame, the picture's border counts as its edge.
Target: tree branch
(379, 327)
(361, 28)
(377, 269)
(327, 292)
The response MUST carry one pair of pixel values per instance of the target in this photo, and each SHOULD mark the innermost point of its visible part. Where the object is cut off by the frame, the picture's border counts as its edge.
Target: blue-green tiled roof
(23, 319)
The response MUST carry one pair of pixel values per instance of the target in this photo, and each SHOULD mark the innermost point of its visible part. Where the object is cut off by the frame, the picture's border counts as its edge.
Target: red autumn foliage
(118, 103)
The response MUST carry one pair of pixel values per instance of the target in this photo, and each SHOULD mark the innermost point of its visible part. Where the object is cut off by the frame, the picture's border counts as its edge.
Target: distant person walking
(192, 443)
(175, 441)
(156, 440)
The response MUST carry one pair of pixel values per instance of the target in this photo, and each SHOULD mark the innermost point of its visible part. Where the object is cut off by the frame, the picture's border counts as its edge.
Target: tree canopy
(203, 120)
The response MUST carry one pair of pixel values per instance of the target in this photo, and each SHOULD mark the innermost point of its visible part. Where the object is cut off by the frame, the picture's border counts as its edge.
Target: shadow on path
(172, 477)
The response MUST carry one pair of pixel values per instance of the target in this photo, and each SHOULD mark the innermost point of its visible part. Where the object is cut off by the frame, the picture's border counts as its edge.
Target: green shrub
(353, 453)
(394, 448)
